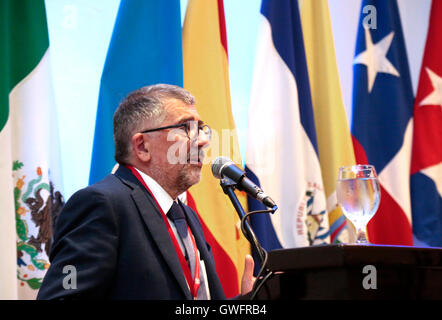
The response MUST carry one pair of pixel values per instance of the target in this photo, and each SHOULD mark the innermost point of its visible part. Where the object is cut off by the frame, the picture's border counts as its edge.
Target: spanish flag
(206, 76)
(332, 131)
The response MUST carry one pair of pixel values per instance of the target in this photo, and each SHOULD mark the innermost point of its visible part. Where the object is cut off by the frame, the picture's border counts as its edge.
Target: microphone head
(218, 165)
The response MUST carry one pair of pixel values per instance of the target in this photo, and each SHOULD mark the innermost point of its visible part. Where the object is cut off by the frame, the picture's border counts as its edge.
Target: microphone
(224, 167)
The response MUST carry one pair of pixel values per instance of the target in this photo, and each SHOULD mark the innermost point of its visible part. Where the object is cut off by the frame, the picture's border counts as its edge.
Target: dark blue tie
(176, 214)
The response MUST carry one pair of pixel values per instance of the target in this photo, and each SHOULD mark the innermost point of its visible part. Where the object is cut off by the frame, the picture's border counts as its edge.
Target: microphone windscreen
(218, 165)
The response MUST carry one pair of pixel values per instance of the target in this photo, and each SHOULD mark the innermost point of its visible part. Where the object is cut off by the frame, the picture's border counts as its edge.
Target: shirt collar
(163, 198)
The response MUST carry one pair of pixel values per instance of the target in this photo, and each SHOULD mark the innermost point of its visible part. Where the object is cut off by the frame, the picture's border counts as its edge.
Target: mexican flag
(30, 197)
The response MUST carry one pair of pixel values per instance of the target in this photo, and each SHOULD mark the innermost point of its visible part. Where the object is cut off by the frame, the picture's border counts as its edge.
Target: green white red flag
(30, 172)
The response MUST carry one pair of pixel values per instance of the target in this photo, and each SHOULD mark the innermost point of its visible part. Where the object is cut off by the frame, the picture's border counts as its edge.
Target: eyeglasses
(190, 129)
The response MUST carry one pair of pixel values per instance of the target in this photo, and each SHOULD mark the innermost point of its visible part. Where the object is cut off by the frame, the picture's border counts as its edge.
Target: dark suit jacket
(112, 233)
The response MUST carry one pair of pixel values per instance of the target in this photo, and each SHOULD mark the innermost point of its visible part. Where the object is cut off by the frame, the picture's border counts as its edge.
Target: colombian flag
(332, 131)
(206, 76)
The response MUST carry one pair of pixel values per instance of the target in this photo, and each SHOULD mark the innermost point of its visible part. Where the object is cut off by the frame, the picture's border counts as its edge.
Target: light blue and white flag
(145, 48)
(282, 153)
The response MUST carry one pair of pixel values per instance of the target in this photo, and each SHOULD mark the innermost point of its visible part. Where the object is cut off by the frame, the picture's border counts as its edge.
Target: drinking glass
(358, 195)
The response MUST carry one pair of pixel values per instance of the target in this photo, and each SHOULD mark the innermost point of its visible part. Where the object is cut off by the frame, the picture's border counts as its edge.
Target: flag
(282, 152)
(206, 76)
(426, 161)
(29, 162)
(382, 117)
(145, 49)
(333, 133)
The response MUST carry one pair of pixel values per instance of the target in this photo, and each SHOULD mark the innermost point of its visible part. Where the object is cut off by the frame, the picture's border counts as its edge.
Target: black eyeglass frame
(186, 129)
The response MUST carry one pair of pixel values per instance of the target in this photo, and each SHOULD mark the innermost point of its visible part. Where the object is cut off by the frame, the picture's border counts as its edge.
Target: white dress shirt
(165, 201)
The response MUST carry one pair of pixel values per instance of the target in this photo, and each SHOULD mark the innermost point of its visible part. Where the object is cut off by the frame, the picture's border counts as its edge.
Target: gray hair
(144, 104)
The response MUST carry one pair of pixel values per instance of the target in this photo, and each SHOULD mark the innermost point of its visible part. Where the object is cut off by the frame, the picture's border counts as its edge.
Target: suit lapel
(215, 287)
(155, 224)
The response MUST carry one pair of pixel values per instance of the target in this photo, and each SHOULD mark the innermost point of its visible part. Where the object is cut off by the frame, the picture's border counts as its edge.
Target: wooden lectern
(359, 272)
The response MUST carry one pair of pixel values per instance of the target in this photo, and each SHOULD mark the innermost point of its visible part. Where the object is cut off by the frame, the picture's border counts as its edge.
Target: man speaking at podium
(129, 236)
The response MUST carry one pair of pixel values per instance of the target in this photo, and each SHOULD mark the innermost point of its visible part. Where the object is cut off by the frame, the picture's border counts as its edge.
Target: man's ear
(140, 147)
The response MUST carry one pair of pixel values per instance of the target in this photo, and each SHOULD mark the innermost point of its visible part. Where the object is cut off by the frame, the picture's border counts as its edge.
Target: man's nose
(203, 139)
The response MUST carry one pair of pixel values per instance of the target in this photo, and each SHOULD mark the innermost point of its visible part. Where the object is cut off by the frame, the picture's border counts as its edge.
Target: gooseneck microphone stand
(228, 186)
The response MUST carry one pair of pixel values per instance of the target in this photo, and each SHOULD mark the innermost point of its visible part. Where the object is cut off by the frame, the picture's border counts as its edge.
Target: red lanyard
(193, 284)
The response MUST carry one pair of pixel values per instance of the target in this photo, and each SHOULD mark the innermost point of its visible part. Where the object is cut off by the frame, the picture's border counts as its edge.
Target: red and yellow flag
(206, 76)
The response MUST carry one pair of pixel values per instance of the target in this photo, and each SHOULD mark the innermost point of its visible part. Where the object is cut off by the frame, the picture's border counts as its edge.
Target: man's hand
(248, 279)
